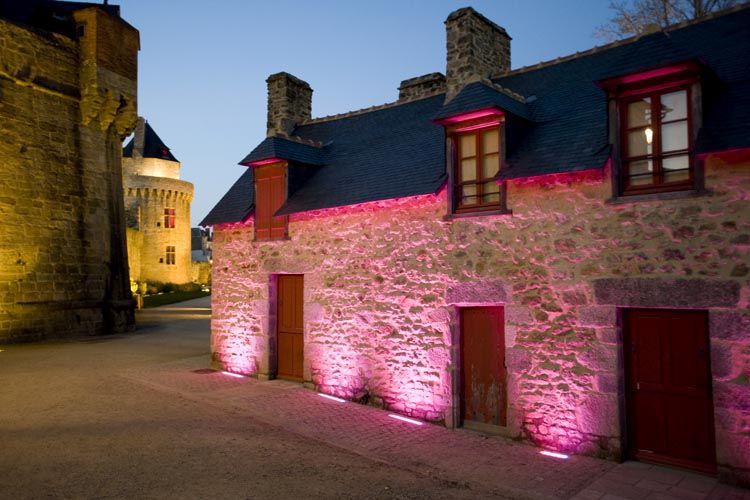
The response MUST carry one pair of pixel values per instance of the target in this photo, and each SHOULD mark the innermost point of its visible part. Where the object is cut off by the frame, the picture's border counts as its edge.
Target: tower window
(169, 218)
(171, 255)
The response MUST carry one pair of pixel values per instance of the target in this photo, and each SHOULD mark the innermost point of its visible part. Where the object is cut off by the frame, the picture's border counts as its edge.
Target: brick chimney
(289, 103)
(476, 48)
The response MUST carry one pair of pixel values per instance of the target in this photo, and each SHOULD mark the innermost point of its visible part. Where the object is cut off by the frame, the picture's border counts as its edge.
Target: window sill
(478, 213)
(670, 195)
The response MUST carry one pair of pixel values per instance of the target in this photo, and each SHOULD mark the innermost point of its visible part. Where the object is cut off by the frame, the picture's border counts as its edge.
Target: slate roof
(153, 146)
(288, 149)
(561, 125)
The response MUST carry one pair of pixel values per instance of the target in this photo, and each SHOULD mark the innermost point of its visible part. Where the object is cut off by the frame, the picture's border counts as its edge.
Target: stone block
(729, 325)
(479, 292)
(666, 292)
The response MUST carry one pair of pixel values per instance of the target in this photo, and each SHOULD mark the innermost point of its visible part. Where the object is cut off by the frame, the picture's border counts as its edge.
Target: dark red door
(290, 327)
(668, 384)
(483, 374)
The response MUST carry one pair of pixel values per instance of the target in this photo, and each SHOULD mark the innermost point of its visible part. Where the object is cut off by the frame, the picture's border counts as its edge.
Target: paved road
(140, 416)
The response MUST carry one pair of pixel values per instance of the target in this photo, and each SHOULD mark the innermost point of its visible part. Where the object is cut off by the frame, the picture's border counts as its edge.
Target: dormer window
(657, 112)
(477, 164)
(656, 142)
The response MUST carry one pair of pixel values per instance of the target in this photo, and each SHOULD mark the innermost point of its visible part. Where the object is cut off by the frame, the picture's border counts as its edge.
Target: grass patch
(163, 299)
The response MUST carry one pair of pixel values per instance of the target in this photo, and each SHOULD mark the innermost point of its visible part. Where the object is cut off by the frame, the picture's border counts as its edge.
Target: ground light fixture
(554, 454)
(334, 398)
(235, 375)
(404, 419)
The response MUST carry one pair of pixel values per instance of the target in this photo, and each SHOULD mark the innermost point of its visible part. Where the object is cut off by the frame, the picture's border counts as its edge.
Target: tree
(639, 16)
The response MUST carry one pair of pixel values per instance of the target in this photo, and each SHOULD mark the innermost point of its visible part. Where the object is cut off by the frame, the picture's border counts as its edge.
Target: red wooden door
(483, 373)
(668, 388)
(290, 347)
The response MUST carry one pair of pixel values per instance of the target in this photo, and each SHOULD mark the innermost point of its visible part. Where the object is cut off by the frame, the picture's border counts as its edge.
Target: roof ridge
(299, 140)
(513, 95)
(624, 41)
(370, 109)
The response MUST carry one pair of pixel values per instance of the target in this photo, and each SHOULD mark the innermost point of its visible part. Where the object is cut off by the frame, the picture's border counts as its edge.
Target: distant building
(68, 93)
(557, 253)
(157, 207)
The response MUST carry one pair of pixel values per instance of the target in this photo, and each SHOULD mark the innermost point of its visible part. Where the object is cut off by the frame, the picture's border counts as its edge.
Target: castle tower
(157, 207)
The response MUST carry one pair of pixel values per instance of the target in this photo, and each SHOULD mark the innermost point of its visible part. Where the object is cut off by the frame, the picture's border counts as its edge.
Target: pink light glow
(595, 175)
(263, 162)
(554, 454)
(729, 156)
(471, 116)
(422, 200)
(334, 398)
(409, 420)
(235, 375)
(673, 69)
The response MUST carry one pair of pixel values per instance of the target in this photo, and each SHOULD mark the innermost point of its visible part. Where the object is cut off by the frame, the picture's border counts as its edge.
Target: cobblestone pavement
(463, 463)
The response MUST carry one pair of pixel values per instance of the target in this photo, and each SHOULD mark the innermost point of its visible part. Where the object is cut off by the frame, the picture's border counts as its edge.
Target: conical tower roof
(147, 144)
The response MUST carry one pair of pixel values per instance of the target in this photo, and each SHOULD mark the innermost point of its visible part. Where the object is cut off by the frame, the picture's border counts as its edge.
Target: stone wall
(63, 265)
(384, 282)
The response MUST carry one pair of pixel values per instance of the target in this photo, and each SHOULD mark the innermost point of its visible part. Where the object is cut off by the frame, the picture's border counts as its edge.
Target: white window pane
(468, 145)
(638, 143)
(639, 113)
(468, 170)
(490, 141)
(490, 165)
(640, 172)
(674, 136)
(674, 106)
(676, 168)
(491, 192)
(469, 194)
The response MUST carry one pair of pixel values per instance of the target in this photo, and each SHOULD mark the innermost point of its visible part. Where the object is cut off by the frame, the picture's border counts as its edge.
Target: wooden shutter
(270, 194)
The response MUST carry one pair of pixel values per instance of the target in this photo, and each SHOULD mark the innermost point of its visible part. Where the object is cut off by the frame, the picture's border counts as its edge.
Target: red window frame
(657, 156)
(270, 194)
(480, 192)
(169, 218)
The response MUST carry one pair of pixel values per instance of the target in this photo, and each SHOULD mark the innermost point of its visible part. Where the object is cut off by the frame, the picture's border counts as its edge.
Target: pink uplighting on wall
(235, 375)
(404, 419)
(554, 454)
(334, 398)
(370, 206)
(595, 175)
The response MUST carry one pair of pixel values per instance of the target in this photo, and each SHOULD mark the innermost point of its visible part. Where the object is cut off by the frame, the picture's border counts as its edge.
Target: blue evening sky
(203, 65)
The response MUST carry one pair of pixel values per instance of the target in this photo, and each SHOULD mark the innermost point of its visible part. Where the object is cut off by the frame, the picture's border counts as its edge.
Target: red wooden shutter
(270, 193)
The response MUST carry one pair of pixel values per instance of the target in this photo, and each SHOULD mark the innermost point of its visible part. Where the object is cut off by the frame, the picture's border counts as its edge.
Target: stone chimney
(421, 86)
(289, 103)
(476, 48)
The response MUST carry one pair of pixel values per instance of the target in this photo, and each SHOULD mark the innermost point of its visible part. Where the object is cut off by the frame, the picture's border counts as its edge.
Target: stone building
(68, 83)
(157, 206)
(557, 253)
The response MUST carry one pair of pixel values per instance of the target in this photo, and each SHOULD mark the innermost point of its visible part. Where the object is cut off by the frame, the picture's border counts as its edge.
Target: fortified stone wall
(63, 259)
(383, 283)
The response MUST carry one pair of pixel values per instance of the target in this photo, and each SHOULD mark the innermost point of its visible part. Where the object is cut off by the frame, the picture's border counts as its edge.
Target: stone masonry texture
(65, 107)
(384, 281)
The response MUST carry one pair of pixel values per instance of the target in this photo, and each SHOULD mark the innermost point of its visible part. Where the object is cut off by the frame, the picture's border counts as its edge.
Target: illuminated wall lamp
(554, 454)
(649, 135)
(404, 419)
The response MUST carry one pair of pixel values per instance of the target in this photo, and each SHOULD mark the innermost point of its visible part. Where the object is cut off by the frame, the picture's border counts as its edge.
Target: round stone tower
(157, 207)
